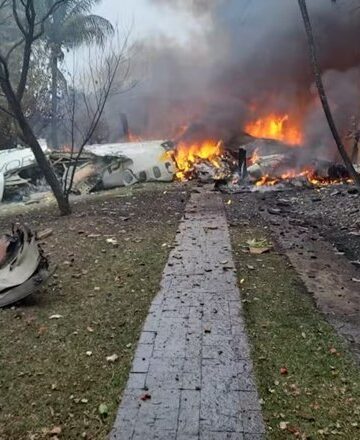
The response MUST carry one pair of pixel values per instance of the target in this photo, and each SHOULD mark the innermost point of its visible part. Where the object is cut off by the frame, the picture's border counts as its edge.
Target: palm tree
(71, 26)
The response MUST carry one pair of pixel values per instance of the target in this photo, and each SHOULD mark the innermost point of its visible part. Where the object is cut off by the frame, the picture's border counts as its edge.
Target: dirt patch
(55, 345)
(304, 238)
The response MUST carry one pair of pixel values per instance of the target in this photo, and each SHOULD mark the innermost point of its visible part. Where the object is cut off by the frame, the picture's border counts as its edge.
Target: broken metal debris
(258, 165)
(23, 266)
(100, 167)
(19, 169)
(107, 166)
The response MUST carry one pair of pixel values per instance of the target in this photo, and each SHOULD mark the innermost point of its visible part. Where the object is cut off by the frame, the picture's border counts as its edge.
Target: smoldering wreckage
(252, 164)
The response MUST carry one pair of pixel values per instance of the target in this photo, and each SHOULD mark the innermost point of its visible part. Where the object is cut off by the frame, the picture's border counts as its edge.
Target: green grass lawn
(308, 382)
(54, 373)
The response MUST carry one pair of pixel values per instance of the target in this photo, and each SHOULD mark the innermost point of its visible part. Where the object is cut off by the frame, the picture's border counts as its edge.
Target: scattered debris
(55, 431)
(23, 266)
(44, 234)
(100, 167)
(55, 316)
(113, 358)
(19, 169)
(107, 166)
(283, 371)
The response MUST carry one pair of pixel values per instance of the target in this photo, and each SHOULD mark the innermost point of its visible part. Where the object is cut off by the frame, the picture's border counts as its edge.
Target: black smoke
(251, 58)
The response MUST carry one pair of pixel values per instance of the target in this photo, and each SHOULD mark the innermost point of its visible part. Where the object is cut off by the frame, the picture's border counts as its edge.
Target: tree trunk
(54, 99)
(355, 151)
(30, 140)
(322, 94)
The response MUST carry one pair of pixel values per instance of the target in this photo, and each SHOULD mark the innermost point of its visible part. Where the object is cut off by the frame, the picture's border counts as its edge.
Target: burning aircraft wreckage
(269, 154)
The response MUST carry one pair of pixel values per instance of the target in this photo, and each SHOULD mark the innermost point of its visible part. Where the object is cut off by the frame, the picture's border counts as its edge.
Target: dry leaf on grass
(56, 317)
(113, 358)
(55, 431)
(258, 247)
(283, 425)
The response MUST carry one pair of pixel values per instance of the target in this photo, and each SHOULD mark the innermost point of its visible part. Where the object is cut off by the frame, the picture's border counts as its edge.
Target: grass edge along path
(309, 384)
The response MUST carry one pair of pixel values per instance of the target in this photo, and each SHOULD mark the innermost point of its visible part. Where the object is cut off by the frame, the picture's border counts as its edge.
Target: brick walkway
(193, 354)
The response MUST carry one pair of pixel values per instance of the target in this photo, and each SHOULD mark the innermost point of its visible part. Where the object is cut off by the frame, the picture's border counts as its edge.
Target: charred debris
(244, 163)
(24, 269)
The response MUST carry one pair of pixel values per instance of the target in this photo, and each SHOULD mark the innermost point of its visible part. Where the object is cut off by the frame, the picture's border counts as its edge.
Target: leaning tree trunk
(355, 151)
(30, 139)
(54, 99)
(321, 89)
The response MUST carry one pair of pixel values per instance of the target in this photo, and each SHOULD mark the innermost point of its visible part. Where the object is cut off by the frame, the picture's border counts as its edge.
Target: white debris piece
(15, 160)
(137, 162)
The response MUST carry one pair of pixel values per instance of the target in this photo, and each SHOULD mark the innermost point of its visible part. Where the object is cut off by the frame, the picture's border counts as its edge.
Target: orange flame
(134, 137)
(308, 174)
(255, 157)
(187, 155)
(276, 127)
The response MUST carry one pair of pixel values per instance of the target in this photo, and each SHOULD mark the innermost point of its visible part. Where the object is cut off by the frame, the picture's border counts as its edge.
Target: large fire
(276, 127)
(187, 155)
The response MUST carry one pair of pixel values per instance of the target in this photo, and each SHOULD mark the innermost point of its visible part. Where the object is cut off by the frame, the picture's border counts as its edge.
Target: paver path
(193, 354)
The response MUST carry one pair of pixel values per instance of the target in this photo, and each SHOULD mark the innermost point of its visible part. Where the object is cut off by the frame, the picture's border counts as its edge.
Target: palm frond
(80, 7)
(85, 29)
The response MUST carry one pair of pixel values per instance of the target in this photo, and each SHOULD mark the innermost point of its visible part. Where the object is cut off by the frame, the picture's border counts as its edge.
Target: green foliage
(72, 25)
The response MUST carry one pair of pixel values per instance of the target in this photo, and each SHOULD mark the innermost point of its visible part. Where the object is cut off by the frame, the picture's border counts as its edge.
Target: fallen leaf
(42, 330)
(283, 371)
(55, 431)
(258, 247)
(103, 410)
(56, 317)
(259, 250)
(113, 358)
(283, 425)
(112, 241)
(44, 234)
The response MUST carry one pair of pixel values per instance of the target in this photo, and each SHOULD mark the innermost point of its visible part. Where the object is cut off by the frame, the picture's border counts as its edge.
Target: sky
(147, 19)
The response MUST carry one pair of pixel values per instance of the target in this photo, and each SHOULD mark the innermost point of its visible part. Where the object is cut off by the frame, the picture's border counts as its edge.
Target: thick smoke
(249, 59)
